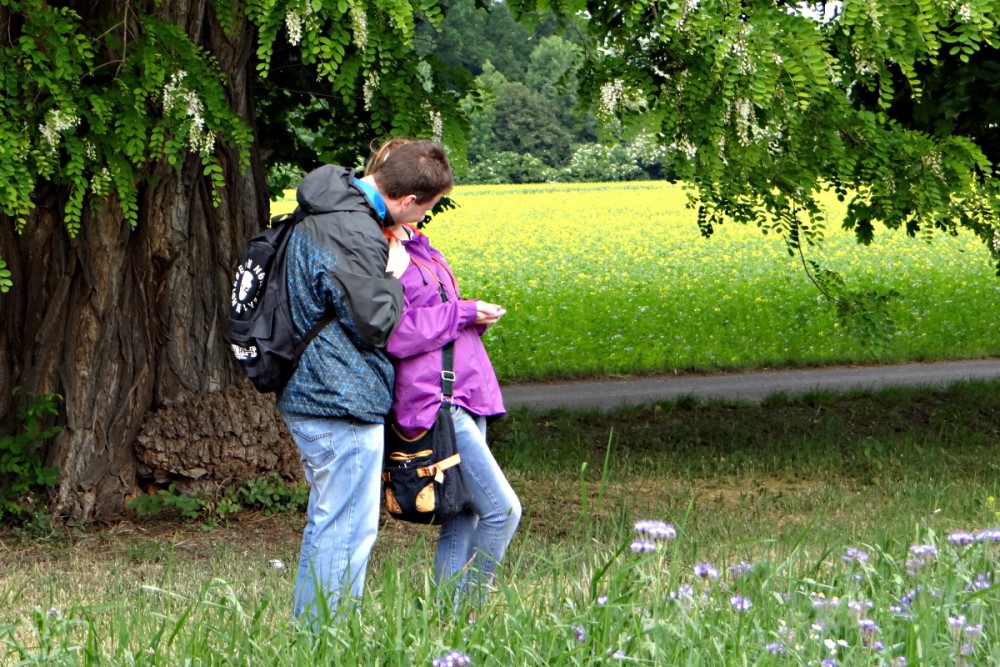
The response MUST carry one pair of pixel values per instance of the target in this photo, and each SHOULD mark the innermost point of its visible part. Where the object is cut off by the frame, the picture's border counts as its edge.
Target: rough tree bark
(122, 321)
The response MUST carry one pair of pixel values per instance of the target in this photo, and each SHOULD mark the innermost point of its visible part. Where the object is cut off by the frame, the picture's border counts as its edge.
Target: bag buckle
(448, 376)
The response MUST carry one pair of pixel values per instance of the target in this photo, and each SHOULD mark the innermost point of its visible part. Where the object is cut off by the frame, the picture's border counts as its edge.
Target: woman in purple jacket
(472, 544)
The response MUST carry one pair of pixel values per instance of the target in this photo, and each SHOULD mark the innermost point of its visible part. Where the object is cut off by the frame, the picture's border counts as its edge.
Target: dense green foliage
(91, 103)
(22, 470)
(90, 106)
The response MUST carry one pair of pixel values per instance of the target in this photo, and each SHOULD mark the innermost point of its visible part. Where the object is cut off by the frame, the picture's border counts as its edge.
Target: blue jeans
(342, 461)
(473, 543)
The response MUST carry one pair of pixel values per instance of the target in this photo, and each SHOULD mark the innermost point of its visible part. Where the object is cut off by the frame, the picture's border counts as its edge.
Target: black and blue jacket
(336, 263)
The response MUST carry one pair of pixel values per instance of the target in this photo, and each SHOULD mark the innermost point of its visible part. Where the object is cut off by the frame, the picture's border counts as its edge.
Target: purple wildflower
(829, 662)
(706, 571)
(453, 658)
(820, 601)
(868, 630)
(776, 648)
(643, 546)
(655, 530)
(854, 555)
(966, 649)
(988, 535)
(859, 607)
(737, 570)
(925, 552)
(684, 592)
(973, 631)
(961, 538)
(899, 661)
(619, 654)
(981, 582)
(740, 603)
(602, 600)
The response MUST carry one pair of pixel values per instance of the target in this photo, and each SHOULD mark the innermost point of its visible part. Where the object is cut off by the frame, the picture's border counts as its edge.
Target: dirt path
(747, 387)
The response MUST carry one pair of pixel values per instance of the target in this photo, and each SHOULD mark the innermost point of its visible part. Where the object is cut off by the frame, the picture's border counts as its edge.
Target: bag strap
(448, 351)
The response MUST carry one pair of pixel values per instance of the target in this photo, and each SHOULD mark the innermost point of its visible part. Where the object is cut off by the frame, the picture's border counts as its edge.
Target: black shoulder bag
(423, 476)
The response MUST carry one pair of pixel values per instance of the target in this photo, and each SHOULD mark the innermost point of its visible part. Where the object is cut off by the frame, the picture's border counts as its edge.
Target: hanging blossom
(688, 7)
(360, 22)
(740, 51)
(293, 24)
(685, 146)
(744, 118)
(369, 88)
(996, 241)
(101, 183)
(175, 93)
(437, 125)
(56, 122)
(932, 162)
(964, 13)
(611, 95)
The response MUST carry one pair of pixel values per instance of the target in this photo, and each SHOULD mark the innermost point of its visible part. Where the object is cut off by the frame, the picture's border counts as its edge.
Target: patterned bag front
(423, 476)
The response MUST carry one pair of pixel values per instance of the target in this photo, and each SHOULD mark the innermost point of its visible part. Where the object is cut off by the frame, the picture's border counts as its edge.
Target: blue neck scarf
(374, 196)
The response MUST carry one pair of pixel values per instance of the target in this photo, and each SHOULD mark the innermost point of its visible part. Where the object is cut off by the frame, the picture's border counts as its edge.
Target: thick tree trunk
(121, 321)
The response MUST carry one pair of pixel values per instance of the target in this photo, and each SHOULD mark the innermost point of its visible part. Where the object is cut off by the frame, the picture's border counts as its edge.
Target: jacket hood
(331, 189)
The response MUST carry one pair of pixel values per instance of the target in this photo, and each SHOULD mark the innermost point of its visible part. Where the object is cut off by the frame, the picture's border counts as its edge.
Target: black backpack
(260, 319)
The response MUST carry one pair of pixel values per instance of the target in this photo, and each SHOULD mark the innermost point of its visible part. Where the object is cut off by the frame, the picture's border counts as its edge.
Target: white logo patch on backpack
(246, 287)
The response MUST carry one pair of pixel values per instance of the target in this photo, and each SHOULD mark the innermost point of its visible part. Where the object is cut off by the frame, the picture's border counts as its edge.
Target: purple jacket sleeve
(422, 329)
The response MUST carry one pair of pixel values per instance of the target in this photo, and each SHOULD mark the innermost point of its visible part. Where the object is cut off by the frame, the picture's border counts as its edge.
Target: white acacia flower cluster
(874, 15)
(437, 123)
(611, 94)
(359, 21)
(685, 146)
(199, 139)
(101, 183)
(369, 88)
(687, 8)
(614, 95)
(964, 13)
(744, 119)
(296, 20)
(996, 242)
(56, 122)
(932, 162)
(739, 49)
(293, 25)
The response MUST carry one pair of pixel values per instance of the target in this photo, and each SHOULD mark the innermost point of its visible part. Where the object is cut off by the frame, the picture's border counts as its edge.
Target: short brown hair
(419, 168)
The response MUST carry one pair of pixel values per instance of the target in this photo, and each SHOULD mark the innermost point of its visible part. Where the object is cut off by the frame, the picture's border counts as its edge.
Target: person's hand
(398, 258)
(488, 313)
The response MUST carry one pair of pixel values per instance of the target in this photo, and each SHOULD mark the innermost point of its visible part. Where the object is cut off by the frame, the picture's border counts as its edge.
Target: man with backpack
(339, 264)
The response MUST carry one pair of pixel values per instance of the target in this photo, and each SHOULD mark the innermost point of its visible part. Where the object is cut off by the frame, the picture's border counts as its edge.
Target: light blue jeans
(343, 464)
(473, 543)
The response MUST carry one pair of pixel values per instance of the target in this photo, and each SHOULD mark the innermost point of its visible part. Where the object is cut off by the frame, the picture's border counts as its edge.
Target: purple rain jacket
(414, 346)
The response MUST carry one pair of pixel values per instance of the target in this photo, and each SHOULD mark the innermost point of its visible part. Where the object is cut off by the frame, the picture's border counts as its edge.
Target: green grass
(788, 486)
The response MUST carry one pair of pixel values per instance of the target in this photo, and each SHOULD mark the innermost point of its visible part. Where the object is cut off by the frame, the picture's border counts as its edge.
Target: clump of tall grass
(649, 597)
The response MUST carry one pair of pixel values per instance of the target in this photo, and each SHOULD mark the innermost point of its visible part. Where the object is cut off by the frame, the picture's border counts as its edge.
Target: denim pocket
(315, 441)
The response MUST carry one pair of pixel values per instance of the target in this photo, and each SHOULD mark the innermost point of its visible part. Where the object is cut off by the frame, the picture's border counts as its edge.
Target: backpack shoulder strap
(292, 219)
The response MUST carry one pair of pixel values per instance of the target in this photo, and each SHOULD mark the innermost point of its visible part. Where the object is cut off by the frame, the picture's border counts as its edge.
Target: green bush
(269, 494)
(598, 163)
(22, 471)
(508, 167)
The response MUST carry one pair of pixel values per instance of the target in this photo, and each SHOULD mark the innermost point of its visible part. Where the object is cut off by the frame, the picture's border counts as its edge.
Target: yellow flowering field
(615, 278)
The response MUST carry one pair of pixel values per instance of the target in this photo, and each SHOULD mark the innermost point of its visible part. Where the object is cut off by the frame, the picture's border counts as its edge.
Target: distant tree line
(526, 122)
